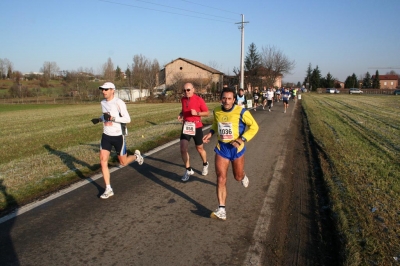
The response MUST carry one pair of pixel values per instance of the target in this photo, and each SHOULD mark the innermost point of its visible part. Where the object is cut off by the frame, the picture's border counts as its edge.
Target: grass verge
(359, 143)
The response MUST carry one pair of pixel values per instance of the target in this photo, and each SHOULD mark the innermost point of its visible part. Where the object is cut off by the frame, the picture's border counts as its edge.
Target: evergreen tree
(128, 75)
(323, 83)
(308, 76)
(315, 79)
(330, 81)
(367, 81)
(348, 82)
(355, 81)
(375, 82)
(252, 59)
(118, 74)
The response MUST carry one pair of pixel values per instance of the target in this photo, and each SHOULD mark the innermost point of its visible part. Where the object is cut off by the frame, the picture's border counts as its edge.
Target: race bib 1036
(225, 130)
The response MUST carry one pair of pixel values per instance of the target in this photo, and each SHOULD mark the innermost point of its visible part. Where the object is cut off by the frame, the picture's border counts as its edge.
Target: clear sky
(340, 36)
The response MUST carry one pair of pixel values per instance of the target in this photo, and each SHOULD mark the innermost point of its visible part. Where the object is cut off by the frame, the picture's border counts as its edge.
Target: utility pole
(241, 27)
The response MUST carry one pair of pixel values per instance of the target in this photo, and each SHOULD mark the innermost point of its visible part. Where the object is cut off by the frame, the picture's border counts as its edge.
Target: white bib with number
(225, 130)
(189, 128)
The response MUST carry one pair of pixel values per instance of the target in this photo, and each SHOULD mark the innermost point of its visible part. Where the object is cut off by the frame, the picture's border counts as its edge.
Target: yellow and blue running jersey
(231, 124)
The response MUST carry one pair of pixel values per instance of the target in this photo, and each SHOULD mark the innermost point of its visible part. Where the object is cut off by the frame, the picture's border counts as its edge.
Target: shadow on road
(8, 255)
(150, 172)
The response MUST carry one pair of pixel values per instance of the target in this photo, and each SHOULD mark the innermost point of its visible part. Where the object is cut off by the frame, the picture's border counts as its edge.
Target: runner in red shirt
(193, 108)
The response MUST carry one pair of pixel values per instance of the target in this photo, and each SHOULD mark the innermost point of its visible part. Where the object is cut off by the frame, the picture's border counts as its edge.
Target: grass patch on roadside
(45, 149)
(359, 140)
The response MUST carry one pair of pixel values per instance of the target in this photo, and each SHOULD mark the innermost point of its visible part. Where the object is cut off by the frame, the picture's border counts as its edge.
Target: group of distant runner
(267, 97)
(233, 125)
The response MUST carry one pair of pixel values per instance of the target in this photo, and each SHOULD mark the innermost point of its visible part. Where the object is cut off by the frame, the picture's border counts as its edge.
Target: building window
(391, 83)
(384, 83)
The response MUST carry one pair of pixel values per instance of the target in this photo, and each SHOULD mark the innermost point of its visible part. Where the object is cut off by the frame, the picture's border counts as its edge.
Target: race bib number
(189, 128)
(225, 131)
(241, 104)
(249, 103)
(255, 97)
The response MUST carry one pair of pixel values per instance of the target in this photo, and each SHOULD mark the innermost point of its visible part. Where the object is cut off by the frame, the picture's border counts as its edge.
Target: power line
(181, 8)
(164, 11)
(211, 7)
(384, 67)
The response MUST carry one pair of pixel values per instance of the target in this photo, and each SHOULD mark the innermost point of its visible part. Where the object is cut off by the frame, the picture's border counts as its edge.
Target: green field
(45, 147)
(359, 142)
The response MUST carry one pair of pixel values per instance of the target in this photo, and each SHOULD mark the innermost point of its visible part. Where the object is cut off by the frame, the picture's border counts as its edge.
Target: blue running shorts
(228, 151)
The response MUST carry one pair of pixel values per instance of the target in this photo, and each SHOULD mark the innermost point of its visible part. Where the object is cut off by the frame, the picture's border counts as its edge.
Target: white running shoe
(245, 181)
(108, 193)
(139, 158)
(269, 110)
(219, 213)
(187, 175)
(284, 112)
(205, 169)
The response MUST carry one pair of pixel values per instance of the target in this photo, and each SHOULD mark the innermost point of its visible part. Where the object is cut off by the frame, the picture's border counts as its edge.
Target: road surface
(155, 219)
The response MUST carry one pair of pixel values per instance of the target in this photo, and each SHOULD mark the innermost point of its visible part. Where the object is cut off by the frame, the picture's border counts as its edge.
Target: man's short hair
(228, 90)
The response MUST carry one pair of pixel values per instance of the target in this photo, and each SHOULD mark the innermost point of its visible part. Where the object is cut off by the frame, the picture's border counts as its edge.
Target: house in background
(388, 81)
(339, 84)
(181, 70)
(130, 94)
(260, 77)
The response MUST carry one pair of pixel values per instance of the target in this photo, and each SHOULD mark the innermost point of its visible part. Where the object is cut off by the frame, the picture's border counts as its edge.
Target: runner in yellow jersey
(230, 123)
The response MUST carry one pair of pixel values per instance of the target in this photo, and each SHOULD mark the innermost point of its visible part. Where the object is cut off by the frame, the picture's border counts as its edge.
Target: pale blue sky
(340, 36)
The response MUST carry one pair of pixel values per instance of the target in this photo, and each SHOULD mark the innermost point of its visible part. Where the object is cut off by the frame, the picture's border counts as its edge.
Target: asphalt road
(154, 218)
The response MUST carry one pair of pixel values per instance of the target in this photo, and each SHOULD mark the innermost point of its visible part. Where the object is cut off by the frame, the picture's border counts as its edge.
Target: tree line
(141, 73)
(314, 80)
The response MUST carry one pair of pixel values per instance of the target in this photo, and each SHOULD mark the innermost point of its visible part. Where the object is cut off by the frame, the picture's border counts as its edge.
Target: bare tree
(108, 70)
(150, 75)
(8, 67)
(145, 73)
(391, 72)
(2, 69)
(50, 70)
(274, 64)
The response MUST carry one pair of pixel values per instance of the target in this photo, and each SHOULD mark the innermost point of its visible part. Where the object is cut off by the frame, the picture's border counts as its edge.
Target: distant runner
(256, 98)
(264, 97)
(270, 98)
(285, 98)
(241, 99)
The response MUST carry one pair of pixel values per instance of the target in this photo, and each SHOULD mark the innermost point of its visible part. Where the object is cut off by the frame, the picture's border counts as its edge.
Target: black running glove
(95, 121)
(107, 117)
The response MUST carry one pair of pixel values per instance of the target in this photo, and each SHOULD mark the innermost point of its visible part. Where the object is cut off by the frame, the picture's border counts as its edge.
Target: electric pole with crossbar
(241, 27)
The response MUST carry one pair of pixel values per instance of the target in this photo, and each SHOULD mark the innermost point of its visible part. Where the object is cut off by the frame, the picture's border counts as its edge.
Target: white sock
(108, 187)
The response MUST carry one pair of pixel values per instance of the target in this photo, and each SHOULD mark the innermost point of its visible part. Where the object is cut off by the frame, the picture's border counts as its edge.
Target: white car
(330, 90)
(355, 91)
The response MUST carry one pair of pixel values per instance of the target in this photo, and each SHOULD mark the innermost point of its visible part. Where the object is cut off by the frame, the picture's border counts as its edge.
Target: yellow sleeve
(252, 129)
(214, 126)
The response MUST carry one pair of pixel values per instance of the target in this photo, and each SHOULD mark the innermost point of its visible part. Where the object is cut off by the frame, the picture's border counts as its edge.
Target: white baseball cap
(107, 85)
